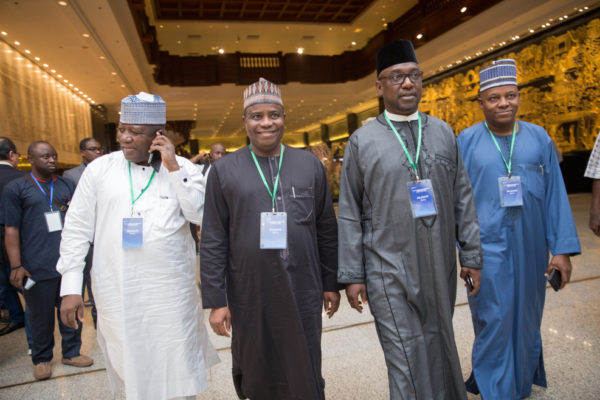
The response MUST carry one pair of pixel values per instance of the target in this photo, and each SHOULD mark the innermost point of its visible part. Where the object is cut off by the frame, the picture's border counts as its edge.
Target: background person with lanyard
(90, 149)
(137, 211)
(523, 213)
(405, 201)
(34, 208)
(269, 256)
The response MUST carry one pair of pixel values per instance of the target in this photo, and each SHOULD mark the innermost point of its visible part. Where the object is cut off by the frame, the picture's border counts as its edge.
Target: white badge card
(133, 233)
(53, 221)
(422, 200)
(511, 192)
(273, 230)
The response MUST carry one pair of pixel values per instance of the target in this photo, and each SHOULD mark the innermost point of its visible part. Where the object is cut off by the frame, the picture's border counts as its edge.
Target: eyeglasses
(94, 149)
(397, 78)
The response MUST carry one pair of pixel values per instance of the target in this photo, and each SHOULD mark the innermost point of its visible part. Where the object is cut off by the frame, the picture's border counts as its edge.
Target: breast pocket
(302, 204)
(534, 180)
(168, 214)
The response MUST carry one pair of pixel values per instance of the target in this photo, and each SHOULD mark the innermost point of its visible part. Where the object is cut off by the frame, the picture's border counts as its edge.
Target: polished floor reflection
(353, 364)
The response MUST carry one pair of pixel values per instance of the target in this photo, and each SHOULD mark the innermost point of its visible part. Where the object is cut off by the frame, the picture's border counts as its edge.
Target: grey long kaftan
(275, 296)
(407, 264)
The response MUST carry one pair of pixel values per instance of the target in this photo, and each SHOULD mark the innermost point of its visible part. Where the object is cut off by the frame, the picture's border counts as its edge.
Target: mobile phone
(28, 283)
(469, 281)
(555, 279)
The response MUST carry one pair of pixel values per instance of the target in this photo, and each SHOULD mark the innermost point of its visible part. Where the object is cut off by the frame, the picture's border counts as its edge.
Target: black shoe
(13, 326)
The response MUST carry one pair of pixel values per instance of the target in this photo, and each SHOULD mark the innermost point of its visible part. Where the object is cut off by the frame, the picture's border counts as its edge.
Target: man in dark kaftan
(269, 256)
(405, 202)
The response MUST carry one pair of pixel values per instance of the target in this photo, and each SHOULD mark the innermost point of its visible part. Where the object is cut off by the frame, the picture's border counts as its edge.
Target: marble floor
(353, 364)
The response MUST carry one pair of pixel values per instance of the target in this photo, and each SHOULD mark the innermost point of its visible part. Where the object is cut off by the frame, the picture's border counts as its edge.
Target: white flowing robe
(150, 325)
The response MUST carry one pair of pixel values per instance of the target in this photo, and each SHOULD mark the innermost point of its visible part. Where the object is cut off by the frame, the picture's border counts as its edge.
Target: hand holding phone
(555, 279)
(469, 281)
(28, 283)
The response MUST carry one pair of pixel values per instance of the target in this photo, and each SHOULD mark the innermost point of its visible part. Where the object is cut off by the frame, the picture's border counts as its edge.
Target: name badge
(53, 221)
(273, 230)
(511, 193)
(422, 200)
(133, 233)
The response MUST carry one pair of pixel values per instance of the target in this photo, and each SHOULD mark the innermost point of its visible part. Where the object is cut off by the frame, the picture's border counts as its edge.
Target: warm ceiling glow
(420, 36)
(27, 51)
(300, 50)
(353, 43)
(17, 43)
(62, 3)
(86, 35)
(37, 59)
(4, 33)
(221, 51)
(463, 10)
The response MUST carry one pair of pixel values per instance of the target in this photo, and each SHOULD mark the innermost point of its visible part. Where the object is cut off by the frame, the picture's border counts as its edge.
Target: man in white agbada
(136, 212)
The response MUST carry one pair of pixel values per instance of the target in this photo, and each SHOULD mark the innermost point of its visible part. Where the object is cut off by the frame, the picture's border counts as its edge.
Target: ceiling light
(28, 65)
(53, 71)
(102, 57)
(86, 35)
(161, 26)
(565, 16)
(353, 43)
(27, 51)
(65, 80)
(17, 43)
(45, 65)
(59, 75)
(463, 10)
(531, 30)
(179, 42)
(122, 85)
(62, 3)
(221, 51)
(300, 50)
(70, 84)
(420, 36)
(37, 59)
(113, 73)
(357, 30)
(4, 33)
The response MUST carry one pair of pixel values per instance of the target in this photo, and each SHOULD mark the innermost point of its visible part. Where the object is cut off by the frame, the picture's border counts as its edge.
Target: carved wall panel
(559, 81)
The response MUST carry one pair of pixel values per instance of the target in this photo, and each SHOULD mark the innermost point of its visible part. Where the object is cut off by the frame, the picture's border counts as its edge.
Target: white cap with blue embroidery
(143, 109)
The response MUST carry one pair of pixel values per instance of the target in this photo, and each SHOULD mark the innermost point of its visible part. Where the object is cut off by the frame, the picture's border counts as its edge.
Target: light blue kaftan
(507, 311)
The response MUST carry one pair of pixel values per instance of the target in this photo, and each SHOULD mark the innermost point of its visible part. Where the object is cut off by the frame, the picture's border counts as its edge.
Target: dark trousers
(43, 299)
(87, 282)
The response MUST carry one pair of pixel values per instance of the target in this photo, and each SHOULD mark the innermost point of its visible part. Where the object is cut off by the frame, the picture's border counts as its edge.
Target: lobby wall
(34, 106)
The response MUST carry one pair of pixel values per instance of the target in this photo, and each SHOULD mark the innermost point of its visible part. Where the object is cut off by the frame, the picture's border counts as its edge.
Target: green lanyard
(414, 164)
(274, 192)
(512, 146)
(131, 186)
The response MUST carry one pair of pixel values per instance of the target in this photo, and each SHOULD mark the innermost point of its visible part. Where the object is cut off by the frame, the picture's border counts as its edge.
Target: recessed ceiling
(330, 11)
(188, 37)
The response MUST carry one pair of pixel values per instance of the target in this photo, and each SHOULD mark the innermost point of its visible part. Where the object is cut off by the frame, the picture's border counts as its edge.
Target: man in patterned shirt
(593, 171)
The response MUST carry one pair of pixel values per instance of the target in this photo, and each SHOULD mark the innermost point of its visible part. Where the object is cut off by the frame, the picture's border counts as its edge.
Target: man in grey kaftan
(407, 264)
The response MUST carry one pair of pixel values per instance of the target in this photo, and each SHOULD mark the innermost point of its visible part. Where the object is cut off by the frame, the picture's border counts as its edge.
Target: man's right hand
(353, 290)
(71, 310)
(17, 276)
(220, 321)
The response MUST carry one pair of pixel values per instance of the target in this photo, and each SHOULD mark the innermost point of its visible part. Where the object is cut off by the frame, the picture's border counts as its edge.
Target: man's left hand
(167, 151)
(561, 262)
(475, 276)
(331, 302)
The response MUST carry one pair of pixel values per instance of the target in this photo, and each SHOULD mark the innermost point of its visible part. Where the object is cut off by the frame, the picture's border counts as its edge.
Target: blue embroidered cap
(499, 73)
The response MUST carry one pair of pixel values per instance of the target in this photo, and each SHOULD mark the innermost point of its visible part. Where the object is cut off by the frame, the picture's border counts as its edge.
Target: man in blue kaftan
(523, 213)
